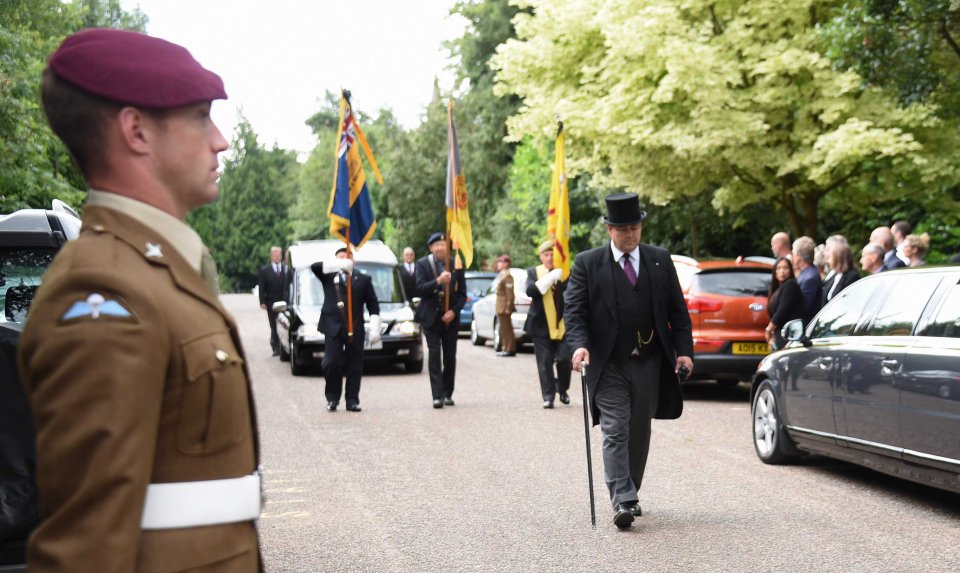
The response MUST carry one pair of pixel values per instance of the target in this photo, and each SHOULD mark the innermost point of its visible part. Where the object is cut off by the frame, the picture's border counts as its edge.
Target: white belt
(199, 503)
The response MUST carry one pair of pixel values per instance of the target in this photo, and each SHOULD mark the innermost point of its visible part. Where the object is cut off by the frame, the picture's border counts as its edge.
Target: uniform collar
(178, 234)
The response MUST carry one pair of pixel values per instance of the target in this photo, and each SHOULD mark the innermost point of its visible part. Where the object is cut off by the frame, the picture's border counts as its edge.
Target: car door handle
(826, 363)
(891, 363)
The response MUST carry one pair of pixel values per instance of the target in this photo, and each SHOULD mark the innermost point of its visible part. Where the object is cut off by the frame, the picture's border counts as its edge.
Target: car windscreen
(386, 283)
(742, 283)
(476, 286)
(21, 270)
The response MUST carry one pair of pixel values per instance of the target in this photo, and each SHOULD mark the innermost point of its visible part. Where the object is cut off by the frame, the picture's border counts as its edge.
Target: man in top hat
(443, 291)
(545, 325)
(626, 318)
(273, 285)
(146, 437)
(343, 349)
(505, 307)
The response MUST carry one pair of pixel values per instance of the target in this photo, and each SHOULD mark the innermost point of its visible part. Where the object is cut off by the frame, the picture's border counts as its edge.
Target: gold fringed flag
(558, 215)
(351, 210)
(458, 217)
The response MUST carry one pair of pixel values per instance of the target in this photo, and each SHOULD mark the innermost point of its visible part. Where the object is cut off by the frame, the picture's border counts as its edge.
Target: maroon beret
(503, 259)
(135, 69)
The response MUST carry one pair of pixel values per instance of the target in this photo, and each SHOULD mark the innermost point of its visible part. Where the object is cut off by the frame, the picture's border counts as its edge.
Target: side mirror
(793, 331)
(280, 306)
(416, 301)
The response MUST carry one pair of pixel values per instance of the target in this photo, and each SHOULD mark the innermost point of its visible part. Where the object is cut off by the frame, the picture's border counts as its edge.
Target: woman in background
(784, 301)
(915, 248)
(843, 271)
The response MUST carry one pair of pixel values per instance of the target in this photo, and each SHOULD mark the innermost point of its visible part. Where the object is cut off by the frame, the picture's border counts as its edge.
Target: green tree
(250, 215)
(675, 99)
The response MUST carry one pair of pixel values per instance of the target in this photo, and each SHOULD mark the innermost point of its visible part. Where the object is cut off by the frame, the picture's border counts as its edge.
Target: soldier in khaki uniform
(505, 307)
(146, 435)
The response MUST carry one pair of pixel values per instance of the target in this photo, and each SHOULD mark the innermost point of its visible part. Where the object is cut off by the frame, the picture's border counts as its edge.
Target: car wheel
(770, 440)
(284, 355)
(496, 335)
(413, 366)
(475, 337)
(296, 368)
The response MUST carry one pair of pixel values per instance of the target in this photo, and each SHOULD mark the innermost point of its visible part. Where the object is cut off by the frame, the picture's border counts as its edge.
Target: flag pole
(346, 239)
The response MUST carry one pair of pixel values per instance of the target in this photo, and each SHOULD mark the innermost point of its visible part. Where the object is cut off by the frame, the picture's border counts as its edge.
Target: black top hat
(434, 238)
(624, 209)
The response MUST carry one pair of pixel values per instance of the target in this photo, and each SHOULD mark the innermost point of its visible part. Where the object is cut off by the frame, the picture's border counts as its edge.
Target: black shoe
(501, 353)
(353, 407)
(438, 403)
(276, 353)
(564, 397)
(448, 401)
(623, 517)
(331, 406)
(548, 404)
(634, 507)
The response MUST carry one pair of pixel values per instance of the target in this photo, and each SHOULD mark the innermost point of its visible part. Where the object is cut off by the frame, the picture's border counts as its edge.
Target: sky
(277, 57)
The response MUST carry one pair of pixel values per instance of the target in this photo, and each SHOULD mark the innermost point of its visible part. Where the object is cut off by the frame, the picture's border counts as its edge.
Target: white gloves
(334, 266)
(374, 335)
(548, 280)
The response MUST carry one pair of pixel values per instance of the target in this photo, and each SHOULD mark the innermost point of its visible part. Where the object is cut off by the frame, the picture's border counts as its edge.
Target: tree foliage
(675, 99)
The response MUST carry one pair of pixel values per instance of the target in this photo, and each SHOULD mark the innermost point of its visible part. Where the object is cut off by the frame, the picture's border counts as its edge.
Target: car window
(899, 312)
(384, 278)
(841, 314)
(478, 285)
(21, 270)
(947, 321)
(732, 283)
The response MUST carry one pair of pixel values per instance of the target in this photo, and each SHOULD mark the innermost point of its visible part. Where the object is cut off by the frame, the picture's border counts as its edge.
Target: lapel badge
(95, 306)
(153, 250)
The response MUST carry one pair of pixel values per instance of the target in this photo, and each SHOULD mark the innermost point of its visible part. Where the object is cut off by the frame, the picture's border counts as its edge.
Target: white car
(486, 326)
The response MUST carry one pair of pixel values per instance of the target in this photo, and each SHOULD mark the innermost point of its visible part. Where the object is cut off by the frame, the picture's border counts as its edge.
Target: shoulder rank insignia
(96, 306)
(153, 250)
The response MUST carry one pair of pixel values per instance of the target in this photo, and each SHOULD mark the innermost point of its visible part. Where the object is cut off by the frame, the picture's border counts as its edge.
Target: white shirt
(634, 257)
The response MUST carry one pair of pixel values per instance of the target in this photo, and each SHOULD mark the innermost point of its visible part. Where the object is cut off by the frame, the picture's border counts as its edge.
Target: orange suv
(727, 301)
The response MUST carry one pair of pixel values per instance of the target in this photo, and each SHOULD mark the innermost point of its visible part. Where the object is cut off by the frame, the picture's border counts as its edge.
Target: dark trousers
(274, 338)
(626, 396)
(552, 354)
(340, 358)
(442, 341)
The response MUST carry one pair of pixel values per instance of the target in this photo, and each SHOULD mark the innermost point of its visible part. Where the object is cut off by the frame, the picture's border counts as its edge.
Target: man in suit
(626, 318)
(146, 437)
(443, 290)
(408, 274)
(884, 237)
(273, 284)
(504, 307)
(343, 349)
(545, 325)
(808, 277)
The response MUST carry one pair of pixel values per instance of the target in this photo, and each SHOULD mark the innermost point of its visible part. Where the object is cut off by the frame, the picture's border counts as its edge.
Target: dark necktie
(628, 270)
(439, 267)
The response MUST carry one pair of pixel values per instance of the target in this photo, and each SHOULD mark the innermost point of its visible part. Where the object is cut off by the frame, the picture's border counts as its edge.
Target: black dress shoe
(634, 507)
(438, 403)
(331, 406)
(276, 353)
(623, 516)
(548, 404)
(448, 401)
(564, 397)
(353, 407)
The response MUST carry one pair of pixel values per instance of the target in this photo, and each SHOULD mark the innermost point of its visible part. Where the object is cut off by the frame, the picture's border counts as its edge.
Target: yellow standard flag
(458, 217)
(558, 215)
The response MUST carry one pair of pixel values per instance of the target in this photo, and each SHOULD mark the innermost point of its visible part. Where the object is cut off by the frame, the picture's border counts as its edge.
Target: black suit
(784, 305)
(343, 354)
(441, 338)
(628, 385)
(409, 281)
(830, 289)
(273, 287)
(550, 353)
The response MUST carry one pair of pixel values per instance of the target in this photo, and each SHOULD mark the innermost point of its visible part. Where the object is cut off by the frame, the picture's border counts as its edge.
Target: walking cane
(586, 434)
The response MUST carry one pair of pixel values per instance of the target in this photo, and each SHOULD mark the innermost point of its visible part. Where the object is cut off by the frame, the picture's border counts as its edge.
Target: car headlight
(408, 327)
(309, 333)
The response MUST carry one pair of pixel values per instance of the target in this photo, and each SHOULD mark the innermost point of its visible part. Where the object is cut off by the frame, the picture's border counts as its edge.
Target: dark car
(300, 341)
(874, 380)
(477, 284)
(727, 302)
(29, 239)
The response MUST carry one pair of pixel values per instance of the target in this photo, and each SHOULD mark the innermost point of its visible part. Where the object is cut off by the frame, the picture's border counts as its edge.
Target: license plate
(751, 348)
(368, 346)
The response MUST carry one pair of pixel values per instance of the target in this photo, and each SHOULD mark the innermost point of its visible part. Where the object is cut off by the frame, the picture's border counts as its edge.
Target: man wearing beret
(504, 307)
(146, 433)
(546, 326)
(442, 289)
(343, 350)
(626, 318)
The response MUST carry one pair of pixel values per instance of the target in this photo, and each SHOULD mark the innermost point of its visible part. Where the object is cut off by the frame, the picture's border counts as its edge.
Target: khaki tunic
(162, 395)
(505, 293)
